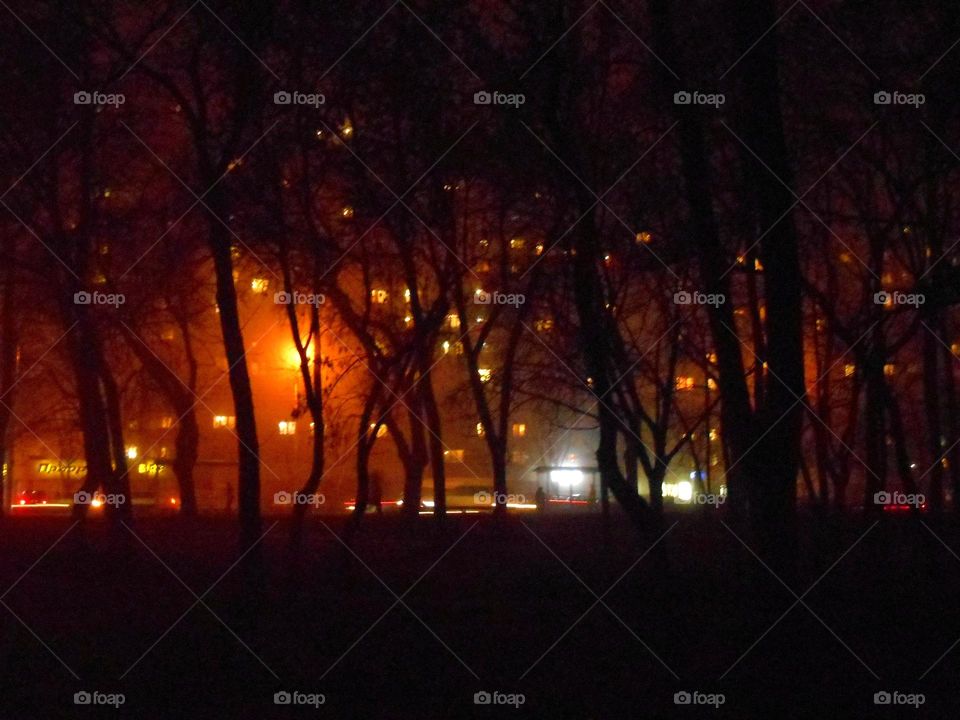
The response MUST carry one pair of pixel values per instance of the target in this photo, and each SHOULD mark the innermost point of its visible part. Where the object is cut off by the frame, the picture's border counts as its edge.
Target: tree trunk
(248, 447)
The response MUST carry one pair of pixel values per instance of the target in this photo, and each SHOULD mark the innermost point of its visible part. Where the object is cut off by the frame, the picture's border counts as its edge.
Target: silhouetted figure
(376, 492)
(229, 498)
(541, 500)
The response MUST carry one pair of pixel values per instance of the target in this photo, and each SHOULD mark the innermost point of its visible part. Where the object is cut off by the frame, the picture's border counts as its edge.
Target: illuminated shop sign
(45, 467)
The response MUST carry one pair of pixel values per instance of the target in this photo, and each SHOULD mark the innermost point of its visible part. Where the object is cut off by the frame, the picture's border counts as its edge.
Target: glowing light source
(566, 476)
(132, 452)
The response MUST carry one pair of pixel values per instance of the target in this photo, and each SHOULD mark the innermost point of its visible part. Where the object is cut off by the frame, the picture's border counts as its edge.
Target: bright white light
(684, 491)
(566, 476)
(132, 452)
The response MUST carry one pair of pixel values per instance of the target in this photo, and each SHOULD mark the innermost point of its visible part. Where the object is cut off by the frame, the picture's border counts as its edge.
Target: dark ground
(498, 600)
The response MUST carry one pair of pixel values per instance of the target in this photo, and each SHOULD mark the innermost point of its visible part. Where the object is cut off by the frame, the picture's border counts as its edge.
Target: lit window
(644, 238)
(849, 370)
(519, 429)
(714, 434)
(711, 384)
(485, 374)
(132, 452)
(517, 243)
(379, 296)
(347, 211)
(519, 457)
(260, 285)
(454, 454)
(224, 421)
(480, 431)
(381, 431)
(446, 346)
(889, 369)
(544, 325)
(287, 427)
(166, 422)
(347, 128)
(685, 382)
(453, 321)
(539, 249)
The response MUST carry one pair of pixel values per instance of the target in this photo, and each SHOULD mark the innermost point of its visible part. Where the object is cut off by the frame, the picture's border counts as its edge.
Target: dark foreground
(419, 621)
